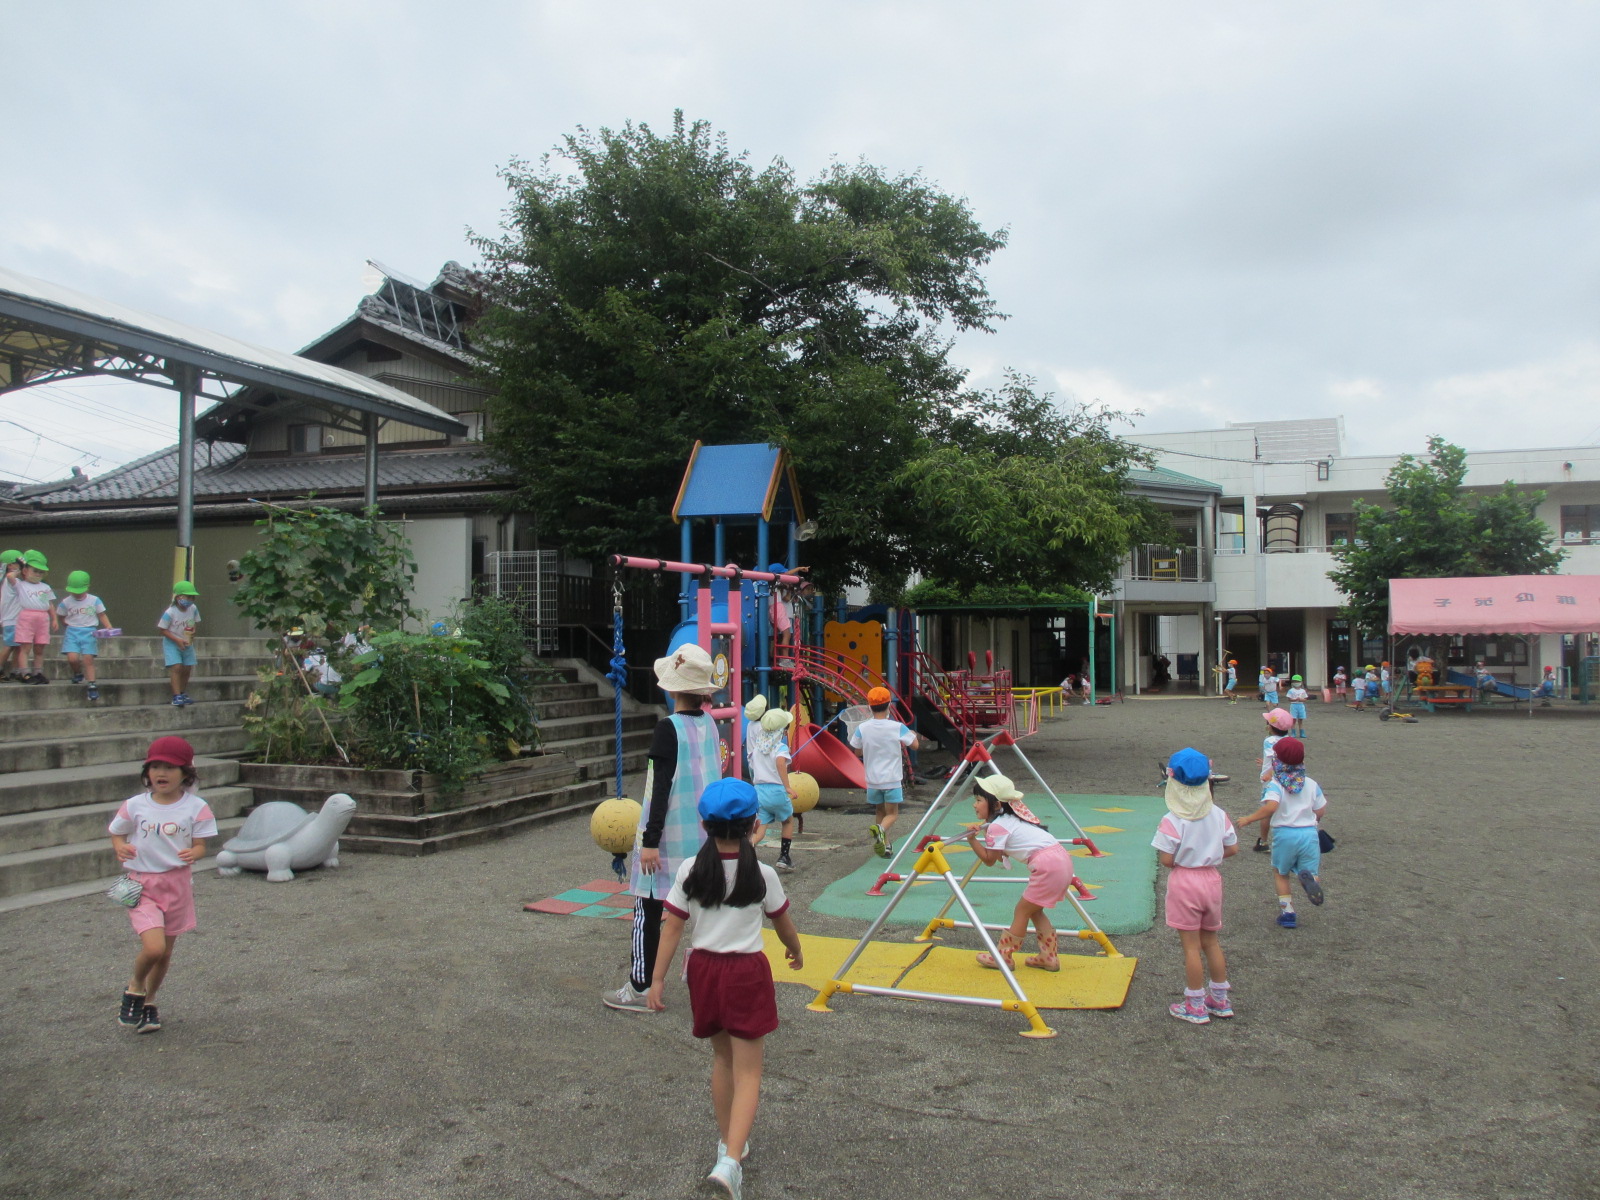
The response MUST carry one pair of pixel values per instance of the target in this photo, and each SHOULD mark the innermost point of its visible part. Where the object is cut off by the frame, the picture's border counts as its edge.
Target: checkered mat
(597, 898)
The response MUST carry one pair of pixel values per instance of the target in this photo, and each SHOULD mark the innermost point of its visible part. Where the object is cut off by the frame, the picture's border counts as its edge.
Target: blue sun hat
(1188, 792)
(727, 800)
(1190, 767)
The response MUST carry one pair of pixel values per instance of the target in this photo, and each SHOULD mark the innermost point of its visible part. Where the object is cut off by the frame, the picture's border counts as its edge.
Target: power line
(81, 452)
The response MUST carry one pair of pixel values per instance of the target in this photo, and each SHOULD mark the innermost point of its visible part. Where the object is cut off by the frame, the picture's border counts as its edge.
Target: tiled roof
(221, 469)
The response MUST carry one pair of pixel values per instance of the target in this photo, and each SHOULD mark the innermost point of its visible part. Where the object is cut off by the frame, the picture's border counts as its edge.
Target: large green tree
(653, 289)
(1432, 529)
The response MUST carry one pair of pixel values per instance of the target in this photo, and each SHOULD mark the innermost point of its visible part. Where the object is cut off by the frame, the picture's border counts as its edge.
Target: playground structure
(979, 757)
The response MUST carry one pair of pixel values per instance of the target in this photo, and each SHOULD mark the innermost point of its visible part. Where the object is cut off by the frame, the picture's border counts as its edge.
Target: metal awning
(49, 332)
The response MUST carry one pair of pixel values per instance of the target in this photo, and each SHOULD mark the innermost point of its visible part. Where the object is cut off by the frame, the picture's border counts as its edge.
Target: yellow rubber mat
(1084, 981)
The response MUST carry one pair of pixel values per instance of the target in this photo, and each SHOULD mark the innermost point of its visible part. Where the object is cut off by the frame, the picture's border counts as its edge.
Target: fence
(530, 581)
(1175, 564)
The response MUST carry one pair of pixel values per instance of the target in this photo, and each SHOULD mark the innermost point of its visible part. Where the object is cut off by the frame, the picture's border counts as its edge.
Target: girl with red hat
(158, 836)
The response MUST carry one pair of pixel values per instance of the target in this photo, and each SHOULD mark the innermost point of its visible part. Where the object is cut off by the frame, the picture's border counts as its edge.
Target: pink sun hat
(1278, 718)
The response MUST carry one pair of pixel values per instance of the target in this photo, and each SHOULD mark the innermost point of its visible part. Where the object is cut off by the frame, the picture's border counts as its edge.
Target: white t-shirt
(879, 741)
(1298, 694)
(10, 603)
(36, 597)
(316, 665)
(1295, 810)
(159, 831)
(723, 929)
(1016, 838)
(80, 611)
(180, 621)
(762, 750)
(1196, 843)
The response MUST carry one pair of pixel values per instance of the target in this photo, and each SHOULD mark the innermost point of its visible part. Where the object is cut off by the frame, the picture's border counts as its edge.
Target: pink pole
(680, 568)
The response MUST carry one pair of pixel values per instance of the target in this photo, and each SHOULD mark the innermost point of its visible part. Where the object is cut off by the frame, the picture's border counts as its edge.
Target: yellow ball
(805, 790)
(614, 824)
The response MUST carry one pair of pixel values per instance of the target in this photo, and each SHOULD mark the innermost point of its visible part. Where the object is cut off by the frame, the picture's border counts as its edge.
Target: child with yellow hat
(81, 613)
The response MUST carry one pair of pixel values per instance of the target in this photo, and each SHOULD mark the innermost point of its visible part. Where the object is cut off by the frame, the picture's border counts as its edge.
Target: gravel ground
(400, 1028)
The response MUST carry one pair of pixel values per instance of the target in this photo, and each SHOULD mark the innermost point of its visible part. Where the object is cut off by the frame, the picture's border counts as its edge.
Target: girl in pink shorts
(158, 835)
(36, 615)
(1192, 839)
(1014, 832)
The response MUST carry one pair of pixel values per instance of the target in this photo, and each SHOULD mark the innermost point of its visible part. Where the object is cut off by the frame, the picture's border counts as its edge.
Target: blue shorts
(11, 635)
(1297, 710)
(885, 796)
(1272, 697)
(177, 656)
(773, 803)
(1295, 848)
(79, 639)
(1372, 691)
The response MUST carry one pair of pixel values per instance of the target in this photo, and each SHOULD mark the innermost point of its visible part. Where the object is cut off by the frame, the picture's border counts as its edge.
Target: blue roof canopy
(755, 479)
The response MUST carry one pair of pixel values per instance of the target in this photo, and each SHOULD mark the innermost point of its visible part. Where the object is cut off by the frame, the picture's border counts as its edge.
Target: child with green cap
(36, 614)
(10, 605)
(177, 626)
(81, 612)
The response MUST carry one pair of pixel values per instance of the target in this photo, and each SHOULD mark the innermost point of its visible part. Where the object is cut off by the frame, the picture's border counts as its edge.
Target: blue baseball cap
(728, 800)
(1190, 766)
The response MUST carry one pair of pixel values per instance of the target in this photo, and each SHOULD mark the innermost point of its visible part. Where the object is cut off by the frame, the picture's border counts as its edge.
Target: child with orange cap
(880, 740)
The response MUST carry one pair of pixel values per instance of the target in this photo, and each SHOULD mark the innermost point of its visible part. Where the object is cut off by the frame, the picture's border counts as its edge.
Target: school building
(1258, 508)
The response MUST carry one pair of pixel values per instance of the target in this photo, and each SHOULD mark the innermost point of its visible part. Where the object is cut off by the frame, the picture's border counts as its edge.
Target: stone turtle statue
(281, 838)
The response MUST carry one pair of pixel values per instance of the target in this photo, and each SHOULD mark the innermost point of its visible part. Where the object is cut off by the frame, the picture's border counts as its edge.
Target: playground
(401, 1027)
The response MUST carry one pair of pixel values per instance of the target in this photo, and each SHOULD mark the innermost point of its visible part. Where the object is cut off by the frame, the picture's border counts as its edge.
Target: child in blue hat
(726, 890)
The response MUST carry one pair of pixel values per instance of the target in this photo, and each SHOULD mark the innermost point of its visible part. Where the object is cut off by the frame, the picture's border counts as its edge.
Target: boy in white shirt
(880, 740)
(177, 626)
(1294, 804)
(82, 613)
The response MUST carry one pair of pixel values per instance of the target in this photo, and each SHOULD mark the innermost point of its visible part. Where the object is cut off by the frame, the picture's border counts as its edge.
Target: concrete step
(64, 694)
(570, 729)
(601, 745)
(604, 768)
(85, 822)
(554, 692)
(211, 732)
(570, 800)
(590, 706)
(37, 791)
(55, 866)
(98, 717)
(56, 668)
(141, 645)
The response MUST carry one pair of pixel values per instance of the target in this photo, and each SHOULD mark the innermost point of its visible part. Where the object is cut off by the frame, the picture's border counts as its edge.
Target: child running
(879, 740)
(1228, 689)
(1279, 723)
(1298, 695)
(685, 758)
(767, 752)
(1268, 684)
(1191, 840)
(82, 613)
(158, 835)
(36, 615)
(1294, 804)
(726, 891)
(177, 627)
(1014, 832)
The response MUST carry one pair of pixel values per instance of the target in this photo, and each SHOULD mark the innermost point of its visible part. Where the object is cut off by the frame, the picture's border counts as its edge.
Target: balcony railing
(1169, 564)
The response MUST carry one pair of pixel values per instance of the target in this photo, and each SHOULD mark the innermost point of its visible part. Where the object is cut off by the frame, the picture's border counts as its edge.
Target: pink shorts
(1194, 898)
(732, 993)
(167, 901)
(1049, 875)
(33, 628)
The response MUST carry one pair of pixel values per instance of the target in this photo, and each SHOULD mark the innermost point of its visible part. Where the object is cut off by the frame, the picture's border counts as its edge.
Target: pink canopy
(1496, 604)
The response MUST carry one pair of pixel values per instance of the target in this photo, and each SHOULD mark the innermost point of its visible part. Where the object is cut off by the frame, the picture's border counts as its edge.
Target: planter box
(402, 812)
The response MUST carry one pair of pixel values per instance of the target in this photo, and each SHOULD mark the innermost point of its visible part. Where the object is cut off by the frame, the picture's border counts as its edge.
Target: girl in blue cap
(727, 891)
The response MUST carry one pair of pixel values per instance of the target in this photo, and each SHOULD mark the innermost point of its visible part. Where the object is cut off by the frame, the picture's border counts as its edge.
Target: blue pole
(686, 552)
(719, 552)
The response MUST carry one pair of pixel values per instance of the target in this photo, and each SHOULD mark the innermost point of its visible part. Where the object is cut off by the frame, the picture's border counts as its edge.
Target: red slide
(827, 760)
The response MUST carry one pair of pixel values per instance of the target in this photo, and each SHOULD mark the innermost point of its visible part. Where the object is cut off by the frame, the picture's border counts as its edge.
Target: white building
(1258, 508)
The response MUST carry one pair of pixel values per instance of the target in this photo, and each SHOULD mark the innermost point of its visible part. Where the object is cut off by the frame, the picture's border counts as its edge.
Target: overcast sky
(1218, 211)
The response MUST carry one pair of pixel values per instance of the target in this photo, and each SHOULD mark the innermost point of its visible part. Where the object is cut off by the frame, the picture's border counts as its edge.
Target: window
(1230, 531)
(1580, 524)
(305, 439)
(1340, 528)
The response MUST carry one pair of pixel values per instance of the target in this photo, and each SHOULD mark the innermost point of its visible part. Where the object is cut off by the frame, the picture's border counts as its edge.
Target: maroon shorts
(731, 993)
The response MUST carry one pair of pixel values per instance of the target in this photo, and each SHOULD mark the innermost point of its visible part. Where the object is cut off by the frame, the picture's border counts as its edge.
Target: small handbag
(125, 891)
(1325, 841)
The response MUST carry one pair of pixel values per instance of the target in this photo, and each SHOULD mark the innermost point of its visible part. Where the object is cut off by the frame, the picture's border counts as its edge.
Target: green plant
(431, 703)
(323, 571)
(286, 724)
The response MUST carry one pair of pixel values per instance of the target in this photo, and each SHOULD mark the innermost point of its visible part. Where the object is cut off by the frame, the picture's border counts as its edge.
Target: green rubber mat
(1123, 880)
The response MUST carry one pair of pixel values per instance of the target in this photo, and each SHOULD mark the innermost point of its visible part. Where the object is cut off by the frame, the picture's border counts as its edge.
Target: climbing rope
(618, 675)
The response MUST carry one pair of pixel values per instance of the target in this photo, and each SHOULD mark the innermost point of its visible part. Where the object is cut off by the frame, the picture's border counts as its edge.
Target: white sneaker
(722, 1151)
(625, 999)
(729, 1175)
